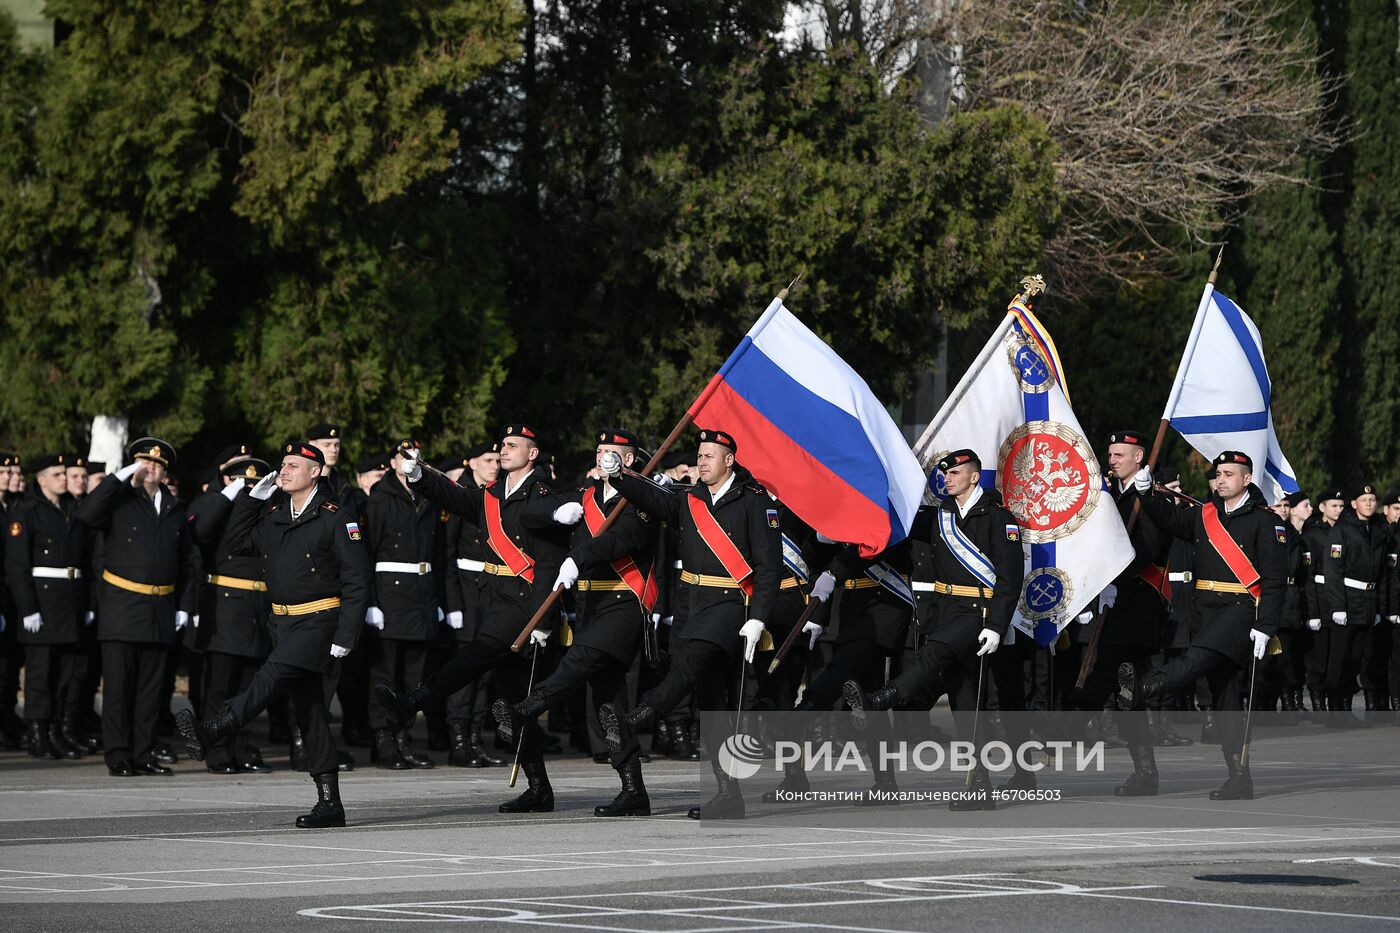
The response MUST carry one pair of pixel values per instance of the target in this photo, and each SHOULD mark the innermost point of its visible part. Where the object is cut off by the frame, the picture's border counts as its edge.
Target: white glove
(409, 466)
(128, 471)
(374, 617)
(814, 630)
(568, 574)
(454, 620)
(988, 640)
(825, 585)
(661, 479)
(751, 632)
(182, 618)
(1084, 618)
(824, 539)
(568, 514)
(610, 462)
(194, 620)
(1378, 619)
(1108, 597)
(33, 622)
(1395, 620)
(441, 616)
(230, 492)
(1143, 480)
(87, 619)
(263, 490)
(1315, 625)
(1261, 643)
(667, 620)
(538, 637)
(1339, 618)
(339, 652)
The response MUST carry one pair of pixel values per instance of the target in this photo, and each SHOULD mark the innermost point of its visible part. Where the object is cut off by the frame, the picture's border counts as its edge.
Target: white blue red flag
(1221, 398)
(811, 431)
(1012, 408)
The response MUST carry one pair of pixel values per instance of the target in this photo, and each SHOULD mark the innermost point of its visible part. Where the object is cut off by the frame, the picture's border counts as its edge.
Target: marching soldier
(1351, 570)
(150, 575)
(1317, 539)
(44, 560)
(524, 550)
(232, 621)
(978, 569)
(732, 567)
(316, 568)
(405, 601)
(616, 593)
(1240, 581)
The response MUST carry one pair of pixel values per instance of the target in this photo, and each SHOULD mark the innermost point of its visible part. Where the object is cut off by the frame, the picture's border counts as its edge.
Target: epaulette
(541, 489)
(330, 506)
(754, 487)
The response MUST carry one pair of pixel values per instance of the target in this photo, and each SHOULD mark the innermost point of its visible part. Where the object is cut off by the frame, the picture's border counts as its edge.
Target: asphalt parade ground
(1318, 849)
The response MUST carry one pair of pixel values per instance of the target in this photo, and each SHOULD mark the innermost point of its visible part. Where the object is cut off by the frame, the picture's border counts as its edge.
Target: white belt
(1358, 584)
(921, 587)
(1319, 579)
(393, 566)
(1185, 577)
(466, 563)
(59, 573)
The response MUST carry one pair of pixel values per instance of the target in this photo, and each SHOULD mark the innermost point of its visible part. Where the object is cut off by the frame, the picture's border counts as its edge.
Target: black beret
(231, 451)
(958, 458)
(519, 429)
(96, 466)
(323, 430)
(1365, 489)
(372, 462)
(44, 461)
(1332, 492)
(407, 443)
(8, 458)
(1129, 437)
(480, 450)
(304, 449)
(76, 460)
(1234, 456)
(251, 469)
(1295, 499)
(722, 438)
(451, 463)
(152, 448)
(1167, 475)
(1391, 498)
(618, 436)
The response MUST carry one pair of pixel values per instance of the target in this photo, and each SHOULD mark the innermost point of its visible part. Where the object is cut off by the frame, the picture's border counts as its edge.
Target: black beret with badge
(1129, 437)
(957, 458)
(324, 430)
(304, 449)
(722, 438)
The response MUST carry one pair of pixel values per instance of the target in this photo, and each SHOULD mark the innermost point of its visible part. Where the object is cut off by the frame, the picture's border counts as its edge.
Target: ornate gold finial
(1033, 285)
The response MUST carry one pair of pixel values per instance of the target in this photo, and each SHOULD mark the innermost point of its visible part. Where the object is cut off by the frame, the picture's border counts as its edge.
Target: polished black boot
(460, 752)
(1143, 781)
(726, 804)
(296, 749)
(661, 738)
(512, 718)
(1164, 734)
(860, 702)
(632, 800)
(75, 737)
(39, 744)
(1318, 701)
(1290, 711)
(683, 747)
(406, 752)
(794, 782)
(60, 744)
(386, 748)
(199, 737)
(1210, 732)
(400, 709)
(977, 795)
(484, 758)
(616, 728)
(538, 796)
(328, 811)
(1135, 692)
(1021, 780)
(1239, 785)
(881, 792)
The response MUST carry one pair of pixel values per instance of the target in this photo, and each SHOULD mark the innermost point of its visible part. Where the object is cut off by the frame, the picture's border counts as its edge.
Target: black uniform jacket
(232, 619)
(1352, 568)
(41, 534)
(402, 527)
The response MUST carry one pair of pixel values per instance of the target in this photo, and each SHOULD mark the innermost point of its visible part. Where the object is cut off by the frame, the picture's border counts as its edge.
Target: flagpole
(964, 386)
(1092, 649)
(686, 421)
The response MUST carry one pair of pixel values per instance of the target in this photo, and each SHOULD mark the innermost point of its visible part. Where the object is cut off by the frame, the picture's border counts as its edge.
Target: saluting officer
(150, 589)
(732, 567)
(1240, 579)
(44, 560)
(317, 571)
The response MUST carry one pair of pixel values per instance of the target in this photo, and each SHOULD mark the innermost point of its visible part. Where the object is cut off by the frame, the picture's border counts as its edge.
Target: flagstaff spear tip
(782, 295)
(1216, 268)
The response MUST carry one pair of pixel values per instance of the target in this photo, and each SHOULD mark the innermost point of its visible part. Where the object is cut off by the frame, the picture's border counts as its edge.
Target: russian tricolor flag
(812, 432)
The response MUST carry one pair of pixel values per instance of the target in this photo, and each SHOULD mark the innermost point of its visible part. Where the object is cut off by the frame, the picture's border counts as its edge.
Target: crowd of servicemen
(117, 583)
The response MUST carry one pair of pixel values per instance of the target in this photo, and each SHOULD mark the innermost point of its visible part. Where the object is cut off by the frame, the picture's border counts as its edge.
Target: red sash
(1156, 577)
(644, 590)
(520, 563)
(720, 545)
(1230, 551)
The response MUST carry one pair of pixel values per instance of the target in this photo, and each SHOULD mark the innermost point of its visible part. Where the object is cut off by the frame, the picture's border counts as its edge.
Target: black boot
(1369, 697)
(693, 730)
(1136, 692)
(1239, 785)
(1164, 734)
(538, 796)
(406, 752)
(356, 735)
(661, 738)
(860, 702)
(60, 744)
(1021, 779)
(1339, 715)
(201, 736)
(683, 747)
(328, 811)
(387, 754)
(75, 737)
(1108, 728)
(794, 781)
(484, 758)
(1143, 781)
(400, 709)
(885, 784)
(726, 804)
(296, 749)
(1318, 701)
(616, 728)
(1210, 732)
(512, 718)
(1290, 713)
(39, 744)
(632, 800)
(460, 754)
(978, 795)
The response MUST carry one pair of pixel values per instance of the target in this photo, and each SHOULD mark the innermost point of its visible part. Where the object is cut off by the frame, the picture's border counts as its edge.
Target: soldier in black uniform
(352, 685)
(317, 571)
(1317, 538)
(406, 601)
(732, 566)
(13, 732)
(1281, 675)
(326, 435)
(616, 592)
(1239, 580)
(232, 624)
(44, 560)
(151, 573)
(1351, 570)
(974, 609)
(466, 575)
(524, 549)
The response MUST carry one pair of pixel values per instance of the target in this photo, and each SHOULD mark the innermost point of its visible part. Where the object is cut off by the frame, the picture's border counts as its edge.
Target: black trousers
(1346, 645)
(51, 683)
(1375, 656)
(1103, 681)
(1283, 671)
(226, 676)
(606, 679)
(132, 677)
(594, 698)
(1317, 645)
(400, 666)
(353, 685)
(307, 690)
(1222, 675)
(511, 674)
